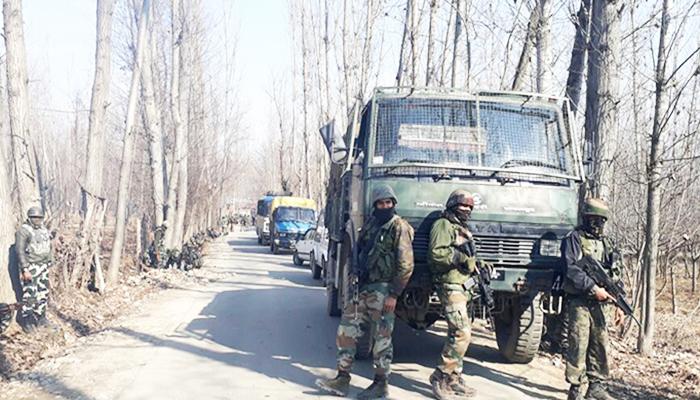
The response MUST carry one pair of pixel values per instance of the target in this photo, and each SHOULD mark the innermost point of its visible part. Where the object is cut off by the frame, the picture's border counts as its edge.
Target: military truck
(516, 153)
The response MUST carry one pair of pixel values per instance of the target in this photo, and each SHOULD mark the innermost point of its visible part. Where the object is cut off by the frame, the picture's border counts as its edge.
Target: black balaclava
(384, 215)
(594, 226)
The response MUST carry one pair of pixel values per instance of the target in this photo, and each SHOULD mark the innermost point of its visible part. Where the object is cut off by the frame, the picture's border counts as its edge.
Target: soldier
(452, 260)
(587, 311)
(157, 252)
(386, 262)
(33, 247)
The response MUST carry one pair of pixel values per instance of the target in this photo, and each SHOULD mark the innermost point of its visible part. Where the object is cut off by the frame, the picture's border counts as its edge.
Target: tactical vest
(454, 276)
(38, 247)
(592, 247)
(380, 262)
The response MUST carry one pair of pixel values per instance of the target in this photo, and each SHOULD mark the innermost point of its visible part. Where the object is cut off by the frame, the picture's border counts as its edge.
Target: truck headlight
(550, 247)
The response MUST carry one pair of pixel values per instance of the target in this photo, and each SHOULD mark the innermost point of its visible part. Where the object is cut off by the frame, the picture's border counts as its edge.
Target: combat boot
(339, 386)
(459, 386)
(596, 391)
(575, 393)
(379, 389)
(441, 385)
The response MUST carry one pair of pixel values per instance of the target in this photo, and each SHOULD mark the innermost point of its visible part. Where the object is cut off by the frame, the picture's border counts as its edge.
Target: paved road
(257, 331)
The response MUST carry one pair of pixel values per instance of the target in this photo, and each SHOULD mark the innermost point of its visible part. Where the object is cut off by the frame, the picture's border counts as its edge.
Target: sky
(60, 42)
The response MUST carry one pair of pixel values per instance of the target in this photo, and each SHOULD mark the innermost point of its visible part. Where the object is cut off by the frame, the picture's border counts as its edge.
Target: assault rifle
(481, 278)
(594, 269)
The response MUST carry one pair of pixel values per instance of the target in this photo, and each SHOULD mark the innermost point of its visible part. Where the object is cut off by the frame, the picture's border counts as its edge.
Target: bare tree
(578, 55)
(127, 152)
(153, 128)
(543, 46)
(646, 337)
(455, 43)
(23, 152)
(404, 37)
(429, 67)
(528, 42)
(602, 94)
(6, 233)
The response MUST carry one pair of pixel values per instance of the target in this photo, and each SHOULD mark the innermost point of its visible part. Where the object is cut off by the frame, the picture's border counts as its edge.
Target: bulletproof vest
(592, 247)
(39, 243)
(379, 256)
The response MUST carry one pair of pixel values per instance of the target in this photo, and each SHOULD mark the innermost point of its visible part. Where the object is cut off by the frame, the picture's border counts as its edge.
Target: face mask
(594, 226)
(383, 215)
(462, 215)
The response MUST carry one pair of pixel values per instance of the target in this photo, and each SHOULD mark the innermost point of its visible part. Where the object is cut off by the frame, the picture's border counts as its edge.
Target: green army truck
(516, 153)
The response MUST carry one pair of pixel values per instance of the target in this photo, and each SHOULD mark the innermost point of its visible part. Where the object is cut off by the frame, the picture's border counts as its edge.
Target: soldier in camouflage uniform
(33, 247)
(386, 259)
(588, 310)
(452, 261)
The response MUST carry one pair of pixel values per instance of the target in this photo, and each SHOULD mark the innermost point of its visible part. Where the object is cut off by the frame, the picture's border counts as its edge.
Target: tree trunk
(171, 211)
(305, 100)
(455, 42)
(651, 251)
(399, 73)
(91, 197)
(177, 89)
(524, 60)
(7, 272)
(602, 95)
(23, 154)
(543, 46)
(429, 67)
(127, 152)
(578, 55)
(155, 133)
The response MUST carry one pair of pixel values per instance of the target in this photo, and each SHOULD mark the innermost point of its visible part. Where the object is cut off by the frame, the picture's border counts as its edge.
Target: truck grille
(500, 250)
(494, 249)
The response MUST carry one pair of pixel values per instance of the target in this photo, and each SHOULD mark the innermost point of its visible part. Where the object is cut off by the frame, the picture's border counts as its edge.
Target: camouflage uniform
(385, 266)
(389, 267)
(451, 269)
(587, 353)
(452, 261)
(33, 247)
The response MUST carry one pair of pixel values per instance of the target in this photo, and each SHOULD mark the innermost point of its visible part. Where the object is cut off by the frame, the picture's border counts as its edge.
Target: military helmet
(35, 212)
(595, 207)
(460, 196)
(382, 192)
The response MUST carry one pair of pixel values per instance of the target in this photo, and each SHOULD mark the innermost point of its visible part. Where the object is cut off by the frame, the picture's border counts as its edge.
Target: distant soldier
(33, 247)
(587, 310)
(157, 251)
(452, 260)
(386, 262)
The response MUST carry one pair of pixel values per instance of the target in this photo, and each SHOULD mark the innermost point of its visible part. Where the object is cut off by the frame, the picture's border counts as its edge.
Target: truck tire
(364, 345)
(315, 268)
(519, 331)
(332, 300)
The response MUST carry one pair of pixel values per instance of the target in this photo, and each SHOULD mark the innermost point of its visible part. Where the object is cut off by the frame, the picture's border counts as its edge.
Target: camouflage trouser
(454, 300)
(587, 353)
(370, 316)
(35, 293)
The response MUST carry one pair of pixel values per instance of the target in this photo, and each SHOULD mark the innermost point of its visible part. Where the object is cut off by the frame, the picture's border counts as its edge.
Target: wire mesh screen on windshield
(457, 133)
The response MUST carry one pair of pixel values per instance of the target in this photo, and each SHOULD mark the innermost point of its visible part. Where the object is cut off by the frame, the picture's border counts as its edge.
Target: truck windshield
(294, 214)
(464, 133)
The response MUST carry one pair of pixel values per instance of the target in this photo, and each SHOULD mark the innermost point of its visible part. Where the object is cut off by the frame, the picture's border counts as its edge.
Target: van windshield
(294, 214)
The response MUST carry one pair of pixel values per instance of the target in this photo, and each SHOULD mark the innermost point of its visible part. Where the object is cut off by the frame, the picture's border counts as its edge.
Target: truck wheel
(364, 345)
(315, 269)
(296, 259)
(519, 330)
(332, 300)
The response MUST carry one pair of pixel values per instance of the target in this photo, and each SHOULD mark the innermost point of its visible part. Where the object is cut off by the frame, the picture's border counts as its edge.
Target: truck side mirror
(335, 144)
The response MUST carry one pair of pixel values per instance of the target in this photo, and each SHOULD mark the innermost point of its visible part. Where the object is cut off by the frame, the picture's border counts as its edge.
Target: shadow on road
(52, 385)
